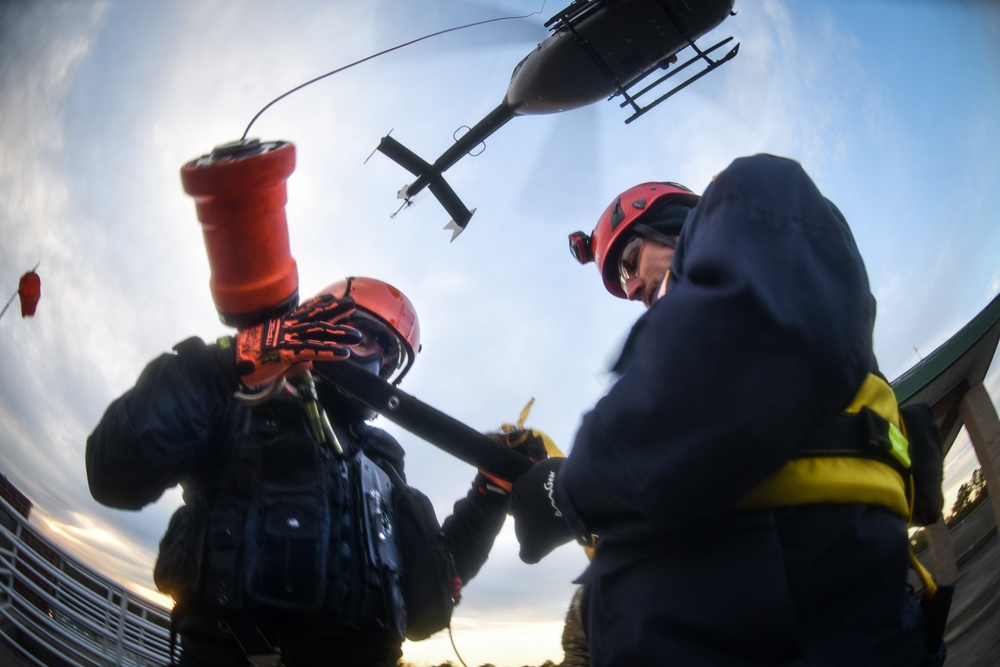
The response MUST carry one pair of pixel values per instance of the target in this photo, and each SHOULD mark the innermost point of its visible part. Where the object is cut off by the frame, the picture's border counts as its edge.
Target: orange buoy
(240, 194)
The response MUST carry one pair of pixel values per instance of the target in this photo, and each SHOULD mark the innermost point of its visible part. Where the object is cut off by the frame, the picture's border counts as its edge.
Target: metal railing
(56, 611)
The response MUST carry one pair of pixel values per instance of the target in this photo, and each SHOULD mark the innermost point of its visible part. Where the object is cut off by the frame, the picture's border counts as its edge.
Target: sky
(890, 105)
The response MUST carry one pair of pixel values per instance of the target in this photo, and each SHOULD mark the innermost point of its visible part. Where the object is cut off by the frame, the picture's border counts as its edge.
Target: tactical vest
(288, 526)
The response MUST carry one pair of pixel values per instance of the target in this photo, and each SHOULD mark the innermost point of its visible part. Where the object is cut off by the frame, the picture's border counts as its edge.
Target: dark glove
(308, 333)
(526, 441)
(538, 523)
(532, 444)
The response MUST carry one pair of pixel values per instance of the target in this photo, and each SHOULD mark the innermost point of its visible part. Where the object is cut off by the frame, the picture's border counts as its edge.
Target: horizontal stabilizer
(403, 156)
(427, 176)
(460, 214)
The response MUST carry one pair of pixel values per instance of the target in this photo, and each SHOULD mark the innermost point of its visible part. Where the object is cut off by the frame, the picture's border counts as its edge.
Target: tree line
(970, 495)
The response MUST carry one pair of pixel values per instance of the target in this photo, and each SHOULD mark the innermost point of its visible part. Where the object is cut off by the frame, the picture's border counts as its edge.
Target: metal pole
(9, 301)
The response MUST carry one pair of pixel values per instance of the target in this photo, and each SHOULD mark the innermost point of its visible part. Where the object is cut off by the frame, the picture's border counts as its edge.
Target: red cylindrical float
(30, 290)
(240, 196)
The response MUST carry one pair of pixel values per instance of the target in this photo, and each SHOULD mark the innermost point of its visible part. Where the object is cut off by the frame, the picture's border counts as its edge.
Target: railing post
(122, 612)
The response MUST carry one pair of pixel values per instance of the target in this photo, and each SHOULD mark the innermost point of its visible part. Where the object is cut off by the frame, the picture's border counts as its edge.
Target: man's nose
(634, 288)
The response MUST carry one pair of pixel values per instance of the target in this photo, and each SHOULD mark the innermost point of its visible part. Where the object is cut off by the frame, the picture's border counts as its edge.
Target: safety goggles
(628, 261)
(378, 343)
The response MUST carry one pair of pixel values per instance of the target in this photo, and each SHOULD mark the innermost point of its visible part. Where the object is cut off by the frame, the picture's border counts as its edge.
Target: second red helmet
(618, 224)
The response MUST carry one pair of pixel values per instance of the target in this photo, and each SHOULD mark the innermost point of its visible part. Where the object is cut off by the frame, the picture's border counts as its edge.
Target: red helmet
(624, 218)
(382, 304)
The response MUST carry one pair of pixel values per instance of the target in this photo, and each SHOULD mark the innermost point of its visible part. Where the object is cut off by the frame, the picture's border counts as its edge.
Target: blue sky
(891, 106)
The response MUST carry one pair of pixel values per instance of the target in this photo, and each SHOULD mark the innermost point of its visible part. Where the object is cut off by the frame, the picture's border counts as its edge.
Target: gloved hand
(532, 444)
(308, 333)
(538, 522)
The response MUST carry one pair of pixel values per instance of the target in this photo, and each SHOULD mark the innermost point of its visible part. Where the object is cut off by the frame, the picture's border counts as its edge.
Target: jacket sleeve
(472, 528)
(766, 326)
(152, 436)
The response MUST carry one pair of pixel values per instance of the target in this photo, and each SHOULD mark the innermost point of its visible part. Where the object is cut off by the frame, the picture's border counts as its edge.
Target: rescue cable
(382, 53)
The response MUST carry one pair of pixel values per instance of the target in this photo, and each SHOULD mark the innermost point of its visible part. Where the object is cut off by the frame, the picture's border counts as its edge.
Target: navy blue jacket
(766, 328)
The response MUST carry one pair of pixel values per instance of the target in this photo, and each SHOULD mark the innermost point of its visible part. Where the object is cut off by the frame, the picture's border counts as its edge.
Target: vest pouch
(178, 565)
(430, 583)
(288, 527)
(286, 559)
(379, 596)
(926, 461)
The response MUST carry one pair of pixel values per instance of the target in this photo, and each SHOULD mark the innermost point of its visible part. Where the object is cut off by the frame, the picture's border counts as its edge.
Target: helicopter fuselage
(603, 48)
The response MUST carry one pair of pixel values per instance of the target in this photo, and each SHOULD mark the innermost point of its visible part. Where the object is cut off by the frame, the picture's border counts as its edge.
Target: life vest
(874, 453)
(859, 456)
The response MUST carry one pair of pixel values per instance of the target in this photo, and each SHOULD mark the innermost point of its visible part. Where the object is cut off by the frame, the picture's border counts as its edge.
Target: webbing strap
(930, 586)
(863, 434)
(259, 651)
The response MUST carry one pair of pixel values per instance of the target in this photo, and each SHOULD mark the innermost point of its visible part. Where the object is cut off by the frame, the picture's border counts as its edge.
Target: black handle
(427, 422)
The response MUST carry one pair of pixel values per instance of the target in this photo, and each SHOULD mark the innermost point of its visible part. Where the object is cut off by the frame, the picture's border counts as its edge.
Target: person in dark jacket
(574, 638)
(285, 551)
(758, 329)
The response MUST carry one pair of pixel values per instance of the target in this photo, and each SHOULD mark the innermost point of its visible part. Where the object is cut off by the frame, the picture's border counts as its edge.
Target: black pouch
(289, 527)
(430, 583)
(286, 562)
(927, 463)
(379, 606)
(936, 612)
(179, 563)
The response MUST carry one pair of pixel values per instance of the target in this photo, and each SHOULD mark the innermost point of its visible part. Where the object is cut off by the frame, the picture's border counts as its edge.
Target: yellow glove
(532, 443)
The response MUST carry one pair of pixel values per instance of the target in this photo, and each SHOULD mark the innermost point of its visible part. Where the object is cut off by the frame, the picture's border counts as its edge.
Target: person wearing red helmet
(729, 480)
(634, 240)
(299, 542)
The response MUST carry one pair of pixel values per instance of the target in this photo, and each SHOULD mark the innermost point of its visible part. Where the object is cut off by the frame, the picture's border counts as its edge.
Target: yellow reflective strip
(876, 394)
(900, 445)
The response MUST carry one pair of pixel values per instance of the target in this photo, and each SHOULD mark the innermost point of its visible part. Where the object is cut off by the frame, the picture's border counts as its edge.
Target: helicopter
(598, 49)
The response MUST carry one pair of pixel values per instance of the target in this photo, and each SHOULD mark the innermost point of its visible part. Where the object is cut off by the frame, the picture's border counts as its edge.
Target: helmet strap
(659, 237)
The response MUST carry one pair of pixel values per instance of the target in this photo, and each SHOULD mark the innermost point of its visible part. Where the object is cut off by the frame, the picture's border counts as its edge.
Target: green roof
(941, 359)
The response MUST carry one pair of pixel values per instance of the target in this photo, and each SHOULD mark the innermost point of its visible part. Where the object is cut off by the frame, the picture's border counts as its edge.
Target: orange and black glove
(309, 333)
